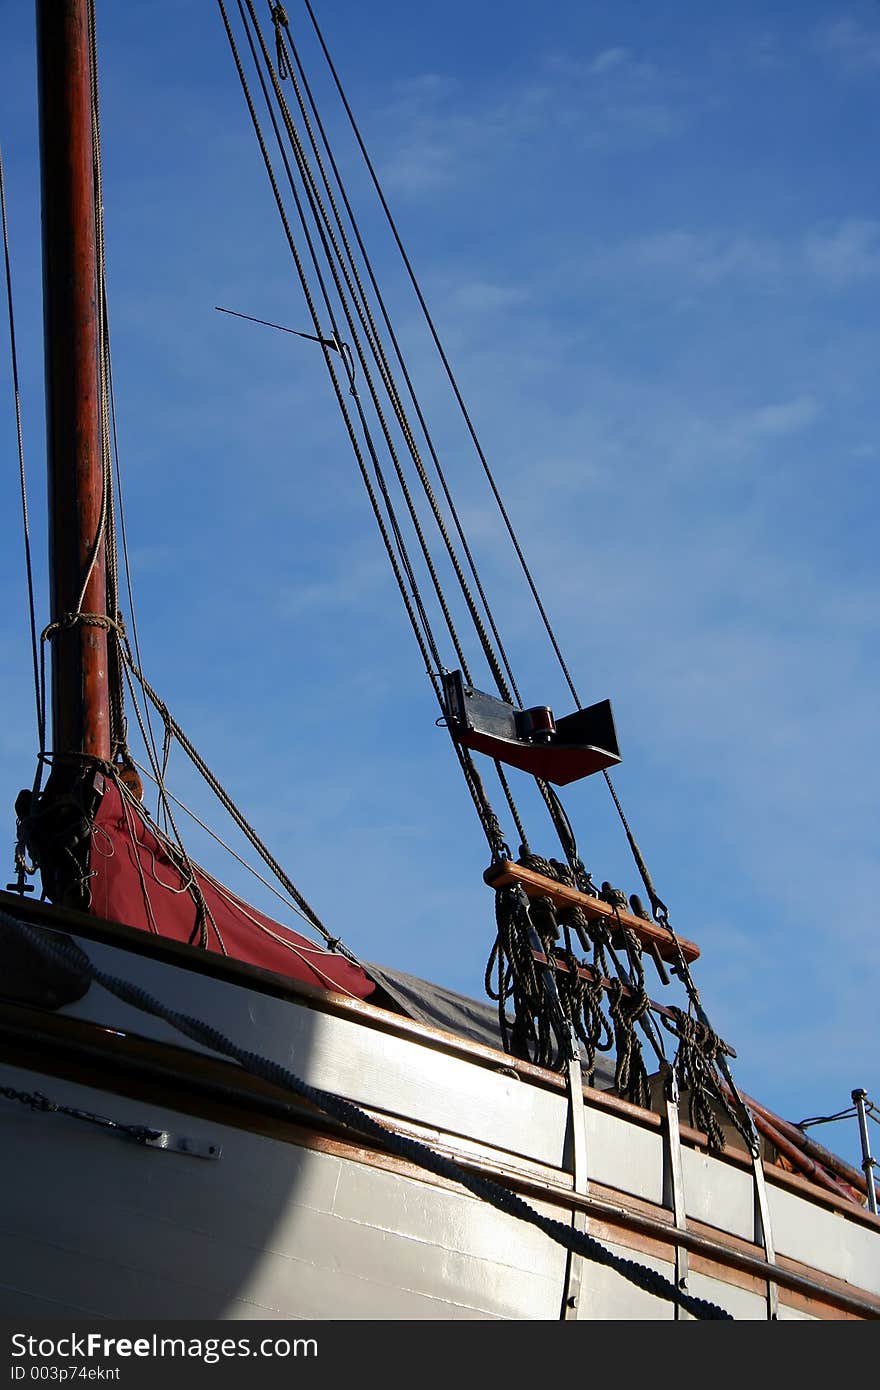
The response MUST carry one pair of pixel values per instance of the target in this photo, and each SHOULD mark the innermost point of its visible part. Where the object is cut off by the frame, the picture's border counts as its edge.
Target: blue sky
(651, 241)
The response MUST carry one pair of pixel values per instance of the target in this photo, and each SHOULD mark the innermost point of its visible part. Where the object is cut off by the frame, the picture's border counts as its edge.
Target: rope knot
(543, 915)
(37, 1101)
(69, 620)
(615, 897)
(279, 19)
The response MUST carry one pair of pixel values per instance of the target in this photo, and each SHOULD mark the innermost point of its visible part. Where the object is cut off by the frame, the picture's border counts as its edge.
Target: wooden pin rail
(586, 972)
(537, 886)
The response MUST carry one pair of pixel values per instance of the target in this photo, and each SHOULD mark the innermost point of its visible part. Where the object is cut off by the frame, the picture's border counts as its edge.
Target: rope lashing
(630, 1075)
(697, 1065)
(71, 620)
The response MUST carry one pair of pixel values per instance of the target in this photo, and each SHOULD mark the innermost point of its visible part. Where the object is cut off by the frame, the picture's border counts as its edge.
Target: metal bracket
(181, 1144)
(576, 1133)
(140, 1134)
(673, 1178)
(576, 1146)
(763, 1229)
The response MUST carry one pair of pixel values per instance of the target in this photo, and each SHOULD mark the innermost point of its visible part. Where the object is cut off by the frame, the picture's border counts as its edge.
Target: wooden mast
(80, 690)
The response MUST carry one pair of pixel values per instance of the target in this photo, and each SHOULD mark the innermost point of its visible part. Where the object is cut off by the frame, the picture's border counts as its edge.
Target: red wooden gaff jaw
(557, 750)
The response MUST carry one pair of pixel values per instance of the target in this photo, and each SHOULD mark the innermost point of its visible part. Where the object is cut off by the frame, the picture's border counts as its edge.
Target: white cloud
(361, 583)
(606, 60)
(785, 417)
(706, 258)
(854, 44)
(831, 256)
(440, 136)
(485, 297)
(844, 253)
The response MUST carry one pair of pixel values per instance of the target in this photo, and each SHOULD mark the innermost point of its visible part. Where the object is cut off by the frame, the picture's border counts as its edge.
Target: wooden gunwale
(192, 1083)
(266, 982)
(371, 1015)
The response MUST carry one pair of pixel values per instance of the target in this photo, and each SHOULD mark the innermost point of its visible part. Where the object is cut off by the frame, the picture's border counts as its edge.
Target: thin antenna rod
(325, 342)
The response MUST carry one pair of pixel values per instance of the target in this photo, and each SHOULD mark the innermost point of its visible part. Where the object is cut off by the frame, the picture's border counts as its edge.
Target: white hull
(298, 1218)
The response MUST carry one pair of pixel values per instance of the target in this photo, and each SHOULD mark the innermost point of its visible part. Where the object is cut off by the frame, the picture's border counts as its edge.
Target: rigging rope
(343, 258)
(336, 264)
(361, 303)
(322, 204)
(436, 338)
(22, 475)
(280, 19)
(701, 1054)
(110, 441)
(509, 692)
(353, 297)
(59, 827)
(398, 556)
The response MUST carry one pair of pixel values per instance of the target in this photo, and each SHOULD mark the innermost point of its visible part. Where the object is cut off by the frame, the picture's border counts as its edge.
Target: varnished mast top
(80, 701)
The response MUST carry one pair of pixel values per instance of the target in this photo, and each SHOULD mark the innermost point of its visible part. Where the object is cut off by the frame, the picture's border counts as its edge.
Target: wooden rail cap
(536, 886)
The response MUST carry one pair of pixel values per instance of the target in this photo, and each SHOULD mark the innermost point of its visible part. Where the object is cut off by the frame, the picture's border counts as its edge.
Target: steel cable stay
(332, 258)
(388, 524)
(360, 300)
(317, 210)
(432, 330)
(398, 557)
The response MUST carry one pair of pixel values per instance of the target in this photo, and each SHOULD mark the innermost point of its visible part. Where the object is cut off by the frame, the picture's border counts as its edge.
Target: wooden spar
(586, 972)
(851, 1177)
(801, 1161)
(80, 694)
(536, 885)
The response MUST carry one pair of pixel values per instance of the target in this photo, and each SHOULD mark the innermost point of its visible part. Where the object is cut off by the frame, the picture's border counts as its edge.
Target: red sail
(136, 882)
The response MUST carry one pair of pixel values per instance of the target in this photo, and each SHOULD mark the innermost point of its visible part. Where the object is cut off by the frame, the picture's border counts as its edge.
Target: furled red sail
(136, 881)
